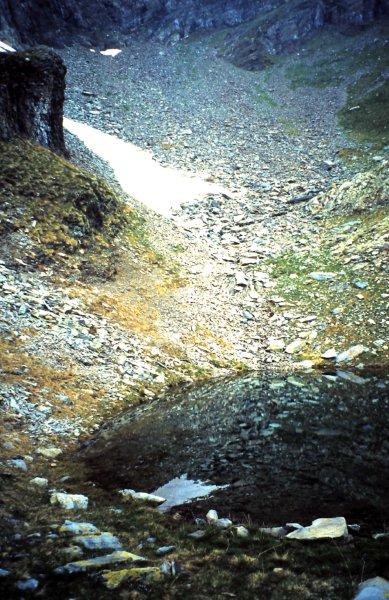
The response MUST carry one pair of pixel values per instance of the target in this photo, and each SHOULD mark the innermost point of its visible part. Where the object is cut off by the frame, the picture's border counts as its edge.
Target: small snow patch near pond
(181, 490)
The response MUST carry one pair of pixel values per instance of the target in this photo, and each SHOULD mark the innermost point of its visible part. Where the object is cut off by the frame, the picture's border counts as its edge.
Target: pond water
(289, 448)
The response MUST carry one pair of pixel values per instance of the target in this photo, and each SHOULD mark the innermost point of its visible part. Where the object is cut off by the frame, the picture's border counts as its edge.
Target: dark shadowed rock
(100, 22)
(32, 86)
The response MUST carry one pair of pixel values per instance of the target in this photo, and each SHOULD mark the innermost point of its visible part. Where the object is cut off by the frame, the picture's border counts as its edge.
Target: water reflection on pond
(290, 447)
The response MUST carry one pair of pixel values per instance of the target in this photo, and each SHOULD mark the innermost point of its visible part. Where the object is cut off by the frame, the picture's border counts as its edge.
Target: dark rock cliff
(32, 86)
(282, 30)
(61, 22)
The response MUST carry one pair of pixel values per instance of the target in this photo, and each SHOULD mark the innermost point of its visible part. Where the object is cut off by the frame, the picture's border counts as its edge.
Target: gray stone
(18, 463)
(350, 354)
(102, 541)
(322, 275)
(4, 573)
(27, 584)
(164, 550)
(376, 588)
(82, 566)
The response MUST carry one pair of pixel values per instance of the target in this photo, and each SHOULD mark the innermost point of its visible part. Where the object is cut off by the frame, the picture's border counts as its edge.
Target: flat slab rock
(82, 566)
(335, 527)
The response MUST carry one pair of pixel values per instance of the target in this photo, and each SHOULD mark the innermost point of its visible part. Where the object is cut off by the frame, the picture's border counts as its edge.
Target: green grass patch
(69, 216)
(263, 97)
(361, 313)
(366, 113)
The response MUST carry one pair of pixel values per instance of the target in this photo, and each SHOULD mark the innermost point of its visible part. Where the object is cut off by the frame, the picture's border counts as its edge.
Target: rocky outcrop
(61, 22)
(282, 29)
(32, 87)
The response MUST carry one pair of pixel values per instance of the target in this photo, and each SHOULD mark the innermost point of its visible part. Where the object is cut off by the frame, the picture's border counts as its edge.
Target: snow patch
(162, 189)
(181, 490)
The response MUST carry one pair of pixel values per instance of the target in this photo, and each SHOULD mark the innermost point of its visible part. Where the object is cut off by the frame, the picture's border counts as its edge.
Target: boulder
(334, 527)
(373, 589)
(32, 88)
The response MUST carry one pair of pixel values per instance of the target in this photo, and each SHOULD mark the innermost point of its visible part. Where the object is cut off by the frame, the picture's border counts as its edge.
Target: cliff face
(61, 22)
(32, 87)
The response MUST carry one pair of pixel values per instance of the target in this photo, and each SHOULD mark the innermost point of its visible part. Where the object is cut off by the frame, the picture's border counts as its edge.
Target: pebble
(322, 275)
(113, 579)
(198, 535)
(164, 550)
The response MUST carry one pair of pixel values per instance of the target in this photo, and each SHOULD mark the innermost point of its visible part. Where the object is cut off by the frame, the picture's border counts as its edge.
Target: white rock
(242, 531)
(241, 279)
(51, 452)
(321, 528)
(212, 517)
(274, 344)
(295, 346)
(110, 52)
(223, 523)
(39, 481)
(69, 501)
(373, 589)
(331, 353)
(143, 496)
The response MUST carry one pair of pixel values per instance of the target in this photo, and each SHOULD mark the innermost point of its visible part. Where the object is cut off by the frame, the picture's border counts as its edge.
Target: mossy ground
(62, 215)
(360, 70)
